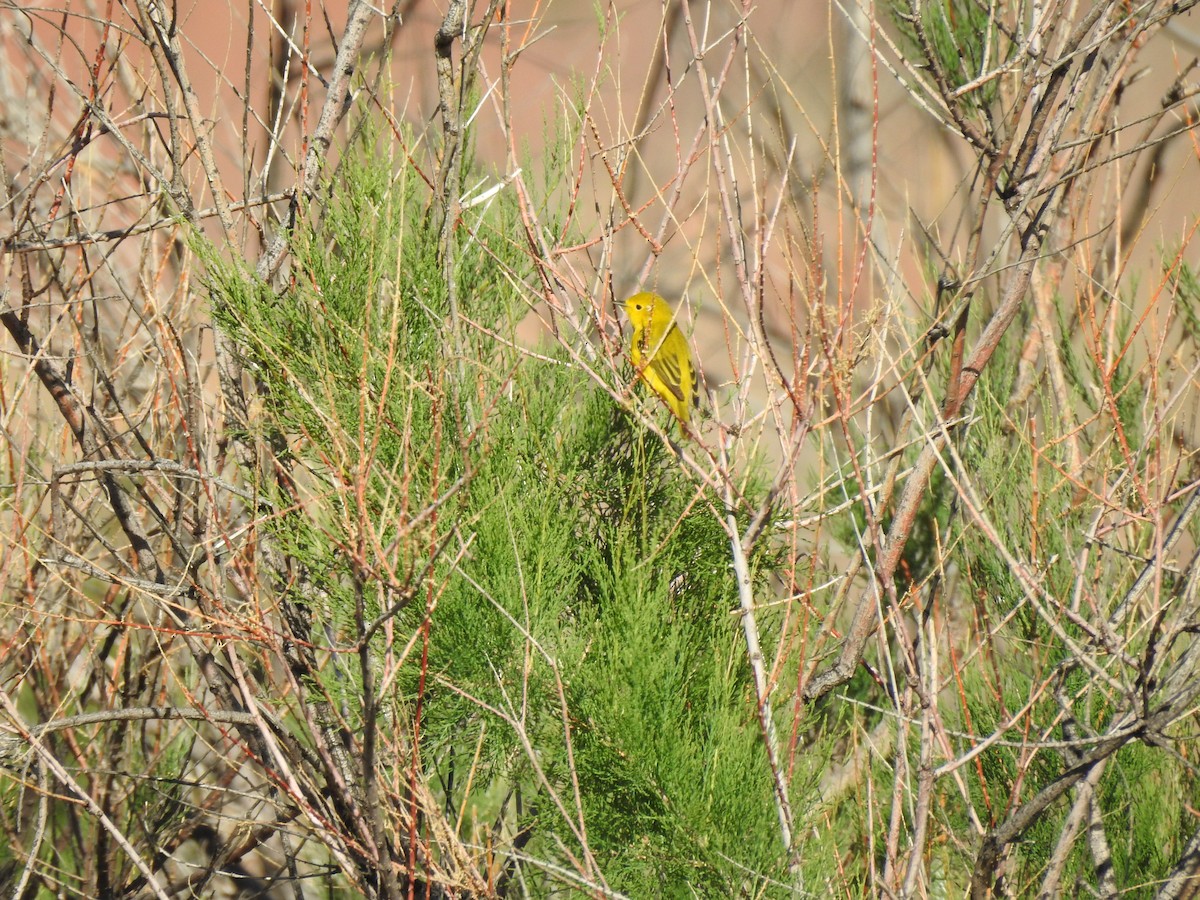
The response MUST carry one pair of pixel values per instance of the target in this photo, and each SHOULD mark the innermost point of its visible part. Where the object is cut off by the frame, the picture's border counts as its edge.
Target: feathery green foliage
(576, 606)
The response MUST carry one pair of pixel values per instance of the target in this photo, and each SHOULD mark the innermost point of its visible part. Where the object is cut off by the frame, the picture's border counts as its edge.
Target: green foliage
(1186, 285)
(960, 35)
(582, 544)
(1144, 800)
(583, 663)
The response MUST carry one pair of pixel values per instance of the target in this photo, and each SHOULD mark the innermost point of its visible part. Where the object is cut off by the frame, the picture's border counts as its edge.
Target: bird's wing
(666, 367)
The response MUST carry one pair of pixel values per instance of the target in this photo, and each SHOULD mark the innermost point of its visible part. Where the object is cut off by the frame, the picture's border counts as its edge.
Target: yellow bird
(660, 353)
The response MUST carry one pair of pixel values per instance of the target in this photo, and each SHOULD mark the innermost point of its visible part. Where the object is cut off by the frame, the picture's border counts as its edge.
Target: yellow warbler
(660, 353)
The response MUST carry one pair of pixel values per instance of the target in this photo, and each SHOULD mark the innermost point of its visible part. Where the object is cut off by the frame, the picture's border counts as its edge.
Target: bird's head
(644, 307)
